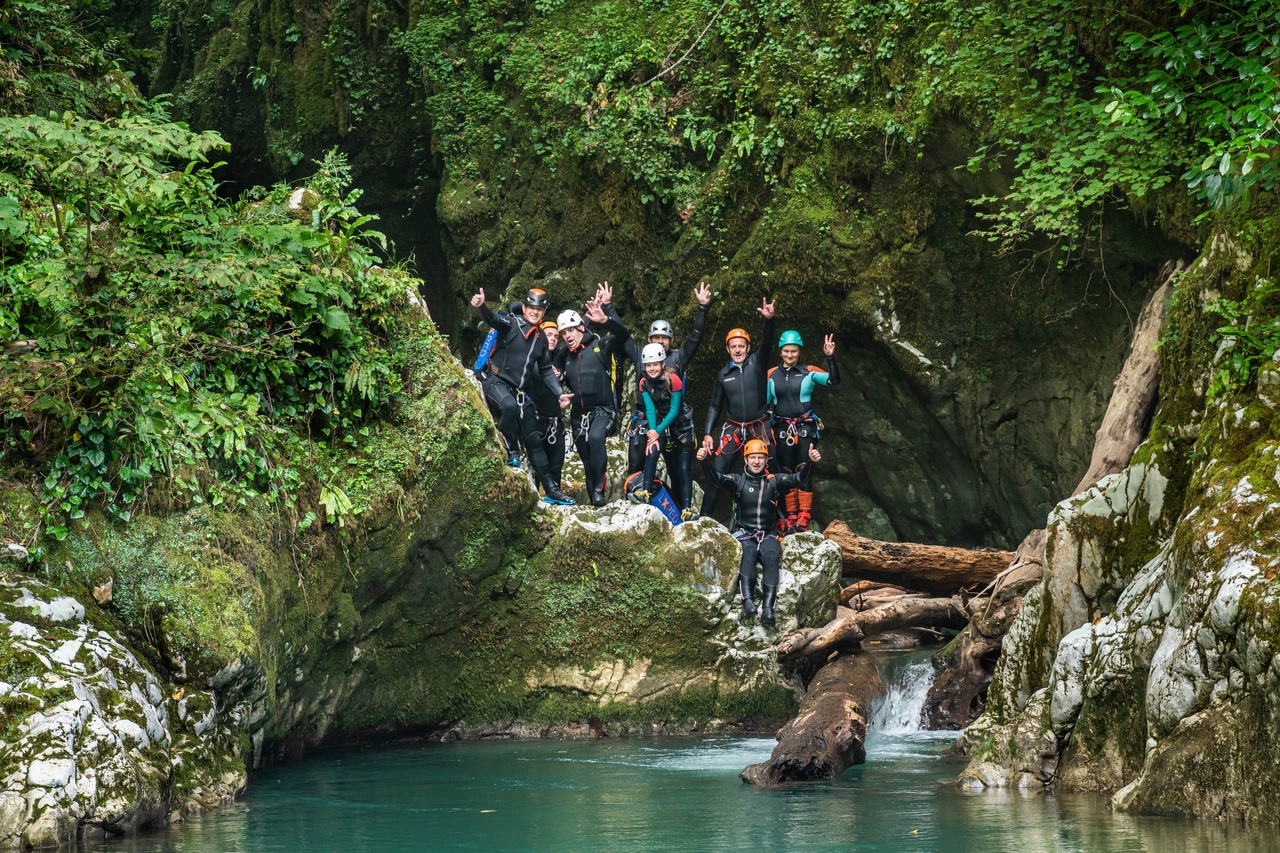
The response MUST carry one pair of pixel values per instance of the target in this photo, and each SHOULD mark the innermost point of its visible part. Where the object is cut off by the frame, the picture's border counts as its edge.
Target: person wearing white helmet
(681, 432)
(594, 411)
(661, 394)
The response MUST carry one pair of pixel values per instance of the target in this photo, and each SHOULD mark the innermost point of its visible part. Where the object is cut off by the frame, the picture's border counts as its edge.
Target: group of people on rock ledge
(534, 367)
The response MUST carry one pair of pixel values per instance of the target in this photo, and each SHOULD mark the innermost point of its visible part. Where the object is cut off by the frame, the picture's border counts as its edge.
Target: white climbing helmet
(569, 319)
(660, 329)
(653, 353)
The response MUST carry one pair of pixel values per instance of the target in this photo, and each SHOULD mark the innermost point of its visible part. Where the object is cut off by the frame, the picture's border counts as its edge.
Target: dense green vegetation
(696, 101)
(157, 335)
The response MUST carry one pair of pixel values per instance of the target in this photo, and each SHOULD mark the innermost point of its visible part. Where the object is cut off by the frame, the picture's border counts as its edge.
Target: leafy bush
(156, 333)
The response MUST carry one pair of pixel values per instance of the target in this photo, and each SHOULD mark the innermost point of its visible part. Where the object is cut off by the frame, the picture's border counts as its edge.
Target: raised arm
(764, 354)
(626, 345)
(832, 376)
(502, 324)
(690, 346)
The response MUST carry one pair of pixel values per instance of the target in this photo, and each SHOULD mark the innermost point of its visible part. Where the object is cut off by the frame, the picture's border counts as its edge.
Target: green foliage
(1249, 337)
(158, 331)
(696, 101)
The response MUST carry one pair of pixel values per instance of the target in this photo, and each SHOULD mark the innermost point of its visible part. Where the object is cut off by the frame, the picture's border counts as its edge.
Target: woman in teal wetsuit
(795, 426)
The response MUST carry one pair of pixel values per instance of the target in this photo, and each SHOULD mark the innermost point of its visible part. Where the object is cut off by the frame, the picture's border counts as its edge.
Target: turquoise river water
(668, 794)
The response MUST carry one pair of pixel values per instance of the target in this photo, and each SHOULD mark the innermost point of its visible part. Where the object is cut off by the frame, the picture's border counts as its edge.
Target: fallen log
(848, 630)
(863, 587)
(936, 569)
(827, 736)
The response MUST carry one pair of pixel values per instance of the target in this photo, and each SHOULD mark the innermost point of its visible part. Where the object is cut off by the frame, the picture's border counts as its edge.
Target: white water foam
(902, 708)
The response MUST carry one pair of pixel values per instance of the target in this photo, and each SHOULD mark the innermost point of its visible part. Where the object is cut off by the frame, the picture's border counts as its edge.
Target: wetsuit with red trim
(742, 393)
(681, 432)
(518, 363)
(796, 429)
(593, 415)
(663, 401)
(755, 515)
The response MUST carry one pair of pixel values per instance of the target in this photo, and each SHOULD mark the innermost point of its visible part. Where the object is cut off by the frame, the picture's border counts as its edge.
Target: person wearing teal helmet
(795, 425)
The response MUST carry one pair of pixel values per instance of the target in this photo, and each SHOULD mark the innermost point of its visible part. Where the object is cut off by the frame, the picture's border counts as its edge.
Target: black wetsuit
(519, 362)
(681, 435)
(594, 412)
(551, 420)
(755, 515)
(742, 392)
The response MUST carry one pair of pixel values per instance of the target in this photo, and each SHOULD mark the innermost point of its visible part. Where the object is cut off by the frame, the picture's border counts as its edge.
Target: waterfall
(903, 703)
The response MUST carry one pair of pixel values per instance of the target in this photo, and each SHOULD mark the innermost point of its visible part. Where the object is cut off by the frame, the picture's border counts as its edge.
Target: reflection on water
(678, 794)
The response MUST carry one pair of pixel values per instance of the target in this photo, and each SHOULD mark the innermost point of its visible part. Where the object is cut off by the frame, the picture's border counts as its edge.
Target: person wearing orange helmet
(741, 391)
(755, 513)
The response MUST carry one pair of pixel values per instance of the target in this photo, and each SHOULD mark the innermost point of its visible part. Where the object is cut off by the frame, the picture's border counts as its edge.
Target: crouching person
(755, 515)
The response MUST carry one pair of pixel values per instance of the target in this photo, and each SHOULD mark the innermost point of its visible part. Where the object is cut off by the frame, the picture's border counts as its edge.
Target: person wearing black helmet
(741, 391)
(594, 413)
(519, 361)
(681, 432)
(795, 425)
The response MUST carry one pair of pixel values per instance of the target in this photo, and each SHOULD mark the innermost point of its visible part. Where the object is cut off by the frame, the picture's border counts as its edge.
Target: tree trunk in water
(827, 736)
(847, 631)
(936, 569)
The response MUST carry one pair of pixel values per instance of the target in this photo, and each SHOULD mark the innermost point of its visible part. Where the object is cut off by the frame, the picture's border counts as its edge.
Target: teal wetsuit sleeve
(650, 412)
(671, 413)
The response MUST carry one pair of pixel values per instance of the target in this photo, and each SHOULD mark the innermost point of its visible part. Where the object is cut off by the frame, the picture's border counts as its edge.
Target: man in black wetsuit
(594, 413)
(520, 360)
(741, 389)
(755, 513)
(682, 431)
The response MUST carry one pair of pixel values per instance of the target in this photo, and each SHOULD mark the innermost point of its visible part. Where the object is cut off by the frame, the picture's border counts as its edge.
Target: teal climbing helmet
(790, 336)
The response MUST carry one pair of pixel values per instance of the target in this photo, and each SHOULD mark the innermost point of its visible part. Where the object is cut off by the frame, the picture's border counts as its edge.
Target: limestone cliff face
(447, 604)
(1147, 663)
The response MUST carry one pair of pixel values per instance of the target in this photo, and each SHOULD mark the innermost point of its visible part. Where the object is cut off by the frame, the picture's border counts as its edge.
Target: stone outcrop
(1146, 663)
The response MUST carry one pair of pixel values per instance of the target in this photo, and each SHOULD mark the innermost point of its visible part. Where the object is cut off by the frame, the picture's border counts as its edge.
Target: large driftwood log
(847, 630)
(936, 569)
(1136, 389)
(826, 737)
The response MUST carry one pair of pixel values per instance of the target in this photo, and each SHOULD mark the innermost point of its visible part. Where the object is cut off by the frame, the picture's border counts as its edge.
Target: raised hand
(604, 293)
(829, 345)
(766, 309)
(595, 313)
(478, 299)
(703, 293)
(814, 454)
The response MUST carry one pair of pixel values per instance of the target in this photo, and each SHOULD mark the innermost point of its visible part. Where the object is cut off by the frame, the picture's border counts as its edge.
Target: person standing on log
(519, 360)
(741, 390)
(796, 427)
(682, 430)
(755, 515)
(587, 373)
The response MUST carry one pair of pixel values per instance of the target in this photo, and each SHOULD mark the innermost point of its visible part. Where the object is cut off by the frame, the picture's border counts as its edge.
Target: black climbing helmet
(536, 297)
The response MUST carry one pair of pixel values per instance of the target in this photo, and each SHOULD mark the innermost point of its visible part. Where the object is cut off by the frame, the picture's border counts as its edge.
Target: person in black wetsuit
(594, 412)
(550, 415)
(741, 391)
(755, 514)
(681, 432)
(520, 360)
(795, 425)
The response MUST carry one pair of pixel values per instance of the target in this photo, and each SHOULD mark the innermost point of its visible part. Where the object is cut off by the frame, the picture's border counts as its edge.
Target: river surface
(669, 794)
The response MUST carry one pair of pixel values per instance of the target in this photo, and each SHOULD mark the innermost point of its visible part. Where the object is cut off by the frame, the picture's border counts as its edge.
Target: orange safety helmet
(549, 324)
(737, 333)
(754, 446)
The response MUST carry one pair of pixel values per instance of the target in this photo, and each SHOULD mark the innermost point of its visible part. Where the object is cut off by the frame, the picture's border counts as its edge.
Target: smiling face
(661, 339)
(738, 349)
(653, 370)
(534, 315)
(572, 335)
(756, 462)
(790, 355)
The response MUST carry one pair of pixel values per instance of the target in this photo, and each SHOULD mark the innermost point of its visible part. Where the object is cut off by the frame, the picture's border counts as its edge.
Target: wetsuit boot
(553, 493)
(748, 601)
(805, 505)
(770, 600)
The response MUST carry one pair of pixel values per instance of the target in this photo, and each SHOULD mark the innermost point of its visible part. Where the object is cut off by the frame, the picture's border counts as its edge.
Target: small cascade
(903, 704)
